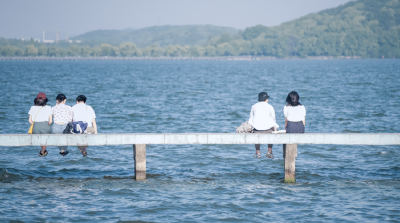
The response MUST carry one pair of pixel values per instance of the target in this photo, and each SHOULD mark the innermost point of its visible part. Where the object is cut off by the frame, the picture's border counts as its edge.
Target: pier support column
(289, 156)
(139, 155)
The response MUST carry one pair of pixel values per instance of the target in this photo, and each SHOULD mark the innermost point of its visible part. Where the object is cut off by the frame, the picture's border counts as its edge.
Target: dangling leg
(269, 154)
(43, 153)
(258, 151)
(83, 150)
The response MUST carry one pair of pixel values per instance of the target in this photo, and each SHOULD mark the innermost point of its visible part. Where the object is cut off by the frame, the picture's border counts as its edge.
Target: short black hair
(61, 97)
(293, 99)
(81, 98)
(40, 102)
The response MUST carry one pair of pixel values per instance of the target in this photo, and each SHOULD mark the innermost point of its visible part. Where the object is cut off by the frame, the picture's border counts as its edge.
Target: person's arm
(251, 116)
(304, 120)
(285, 122)
(50, 119)
(273, 118)
(285, 114)
(273, 114)
(94, 126)
(30, 119)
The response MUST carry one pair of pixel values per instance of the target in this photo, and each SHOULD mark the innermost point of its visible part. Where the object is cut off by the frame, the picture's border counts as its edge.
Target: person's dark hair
(81, 98)
(61, 97)
(293, 99)
(40, 102)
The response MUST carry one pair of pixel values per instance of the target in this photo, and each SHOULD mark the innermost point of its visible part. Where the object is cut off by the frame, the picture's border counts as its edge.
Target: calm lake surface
(198, 183)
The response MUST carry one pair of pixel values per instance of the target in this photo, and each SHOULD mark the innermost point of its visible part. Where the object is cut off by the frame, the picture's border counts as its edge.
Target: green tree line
(123, 50)
(366, 28)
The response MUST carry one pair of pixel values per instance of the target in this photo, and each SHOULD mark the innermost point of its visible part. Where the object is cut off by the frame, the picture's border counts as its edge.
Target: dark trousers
(258, 146)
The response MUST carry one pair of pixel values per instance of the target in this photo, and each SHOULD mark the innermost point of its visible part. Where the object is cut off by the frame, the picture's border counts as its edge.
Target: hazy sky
(28, 18)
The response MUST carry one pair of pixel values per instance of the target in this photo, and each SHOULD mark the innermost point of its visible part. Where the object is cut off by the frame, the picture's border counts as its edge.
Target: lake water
(200, 183)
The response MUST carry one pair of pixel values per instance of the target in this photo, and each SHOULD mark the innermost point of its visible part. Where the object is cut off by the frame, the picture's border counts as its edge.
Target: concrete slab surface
(198, 138)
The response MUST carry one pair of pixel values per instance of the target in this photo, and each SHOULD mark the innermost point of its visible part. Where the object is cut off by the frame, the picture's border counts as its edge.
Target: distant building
(47, 41)
(36, 40)
(78, 41)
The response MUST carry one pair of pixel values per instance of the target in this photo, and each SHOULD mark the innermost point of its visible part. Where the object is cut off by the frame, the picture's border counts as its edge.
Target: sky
(27, 18)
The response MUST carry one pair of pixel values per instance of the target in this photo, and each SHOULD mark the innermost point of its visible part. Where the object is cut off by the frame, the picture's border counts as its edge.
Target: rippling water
(204, 182)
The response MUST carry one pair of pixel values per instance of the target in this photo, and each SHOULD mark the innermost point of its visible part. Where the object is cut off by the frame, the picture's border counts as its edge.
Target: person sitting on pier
(262, 118)
(62, 115)
(295, 114)
(40, 117)
(84, 113)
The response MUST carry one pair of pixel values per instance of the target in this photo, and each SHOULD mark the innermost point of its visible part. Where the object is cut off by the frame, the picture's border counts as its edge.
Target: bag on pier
(79, 127)
(245, 127)
(69, 128)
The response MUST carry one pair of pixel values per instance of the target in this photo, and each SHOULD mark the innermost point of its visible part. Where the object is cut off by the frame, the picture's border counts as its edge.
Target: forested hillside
(160, 35)
(366, 28)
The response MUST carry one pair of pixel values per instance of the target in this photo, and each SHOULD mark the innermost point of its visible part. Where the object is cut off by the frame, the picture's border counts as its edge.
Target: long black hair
(40, 102)
(293, 99)
(60, 98)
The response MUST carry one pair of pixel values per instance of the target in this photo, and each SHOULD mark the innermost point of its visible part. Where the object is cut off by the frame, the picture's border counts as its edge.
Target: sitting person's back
(262, 116)
(295, 114)
(62, 116)
(84, 113)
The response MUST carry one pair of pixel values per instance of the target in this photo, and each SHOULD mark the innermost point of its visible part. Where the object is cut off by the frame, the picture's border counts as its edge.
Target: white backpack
(245, 127)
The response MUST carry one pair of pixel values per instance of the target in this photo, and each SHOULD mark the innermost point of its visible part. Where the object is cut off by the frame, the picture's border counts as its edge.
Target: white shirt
(62, 113)
(294, 114)
(84, 113)
(43, 115)
(262, 116)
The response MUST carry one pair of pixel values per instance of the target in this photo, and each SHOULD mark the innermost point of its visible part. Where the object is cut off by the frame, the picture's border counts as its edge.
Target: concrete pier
(139, 141)
(289, 160)
(198, 138)
(139, 155)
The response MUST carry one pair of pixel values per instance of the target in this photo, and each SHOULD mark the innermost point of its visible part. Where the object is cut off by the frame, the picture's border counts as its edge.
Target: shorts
(41, 128)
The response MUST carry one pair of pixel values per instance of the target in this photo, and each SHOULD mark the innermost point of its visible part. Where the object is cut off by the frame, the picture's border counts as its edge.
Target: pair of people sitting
(262, 118)
(42, 116)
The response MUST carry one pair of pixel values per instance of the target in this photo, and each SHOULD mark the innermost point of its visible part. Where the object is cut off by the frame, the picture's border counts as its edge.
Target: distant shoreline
(234, 58)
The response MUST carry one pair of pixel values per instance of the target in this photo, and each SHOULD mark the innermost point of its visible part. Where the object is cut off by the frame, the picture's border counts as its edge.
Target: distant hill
(161, 35)
(367, 28)
(362, 28)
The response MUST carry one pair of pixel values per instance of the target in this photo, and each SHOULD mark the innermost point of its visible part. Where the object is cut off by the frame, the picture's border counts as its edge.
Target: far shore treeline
(365, 28)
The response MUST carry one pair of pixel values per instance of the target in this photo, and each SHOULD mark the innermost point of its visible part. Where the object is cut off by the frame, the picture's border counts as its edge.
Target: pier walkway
(140, 140)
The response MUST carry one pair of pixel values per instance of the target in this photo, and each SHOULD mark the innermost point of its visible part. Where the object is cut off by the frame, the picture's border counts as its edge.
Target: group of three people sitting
(42, 116)
(262, 118)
